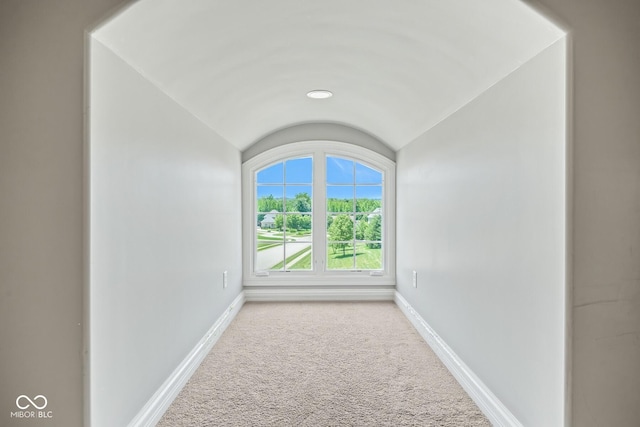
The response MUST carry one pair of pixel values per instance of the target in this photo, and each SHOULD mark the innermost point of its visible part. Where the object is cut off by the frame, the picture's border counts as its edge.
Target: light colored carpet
(322, 364)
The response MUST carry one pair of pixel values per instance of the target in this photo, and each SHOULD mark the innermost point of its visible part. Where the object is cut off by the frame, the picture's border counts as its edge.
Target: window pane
(339, 171)
(299, 198)
(299, 171)
(368, 198)
(366, 175)
(298, 256)
(268, 236)
(270, 249)
(271, 175)
(340, 198)
(373, 230)
(341, 228)
(340, 240)
(269, 222)
(340, 256)
(369, 256)
(270, 198)
(362, 226)
(298, 227)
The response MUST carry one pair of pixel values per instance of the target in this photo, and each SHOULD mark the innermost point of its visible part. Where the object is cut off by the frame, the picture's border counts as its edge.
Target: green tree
(367, 205)
(303, 202)
(279, 222)
(374, 232)
(361, 229)
(293, 221)
(305, 222)
(341, 230)
(269, 203)
(339, 205)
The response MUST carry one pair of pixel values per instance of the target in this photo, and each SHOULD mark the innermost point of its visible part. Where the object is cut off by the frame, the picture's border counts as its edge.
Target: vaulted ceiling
(396, 67)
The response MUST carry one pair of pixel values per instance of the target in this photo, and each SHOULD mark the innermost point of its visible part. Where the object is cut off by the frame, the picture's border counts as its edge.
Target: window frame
(319, 275)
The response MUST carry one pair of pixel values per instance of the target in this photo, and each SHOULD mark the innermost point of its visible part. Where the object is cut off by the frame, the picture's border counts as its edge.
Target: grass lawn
(366, 258)
(267, 241)
(279, 236)
(268, 237)
(303, 264)
(299, 264)
(267, 245)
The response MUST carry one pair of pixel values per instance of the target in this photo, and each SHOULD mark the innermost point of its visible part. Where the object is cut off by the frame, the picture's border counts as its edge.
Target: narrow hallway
(320, 364)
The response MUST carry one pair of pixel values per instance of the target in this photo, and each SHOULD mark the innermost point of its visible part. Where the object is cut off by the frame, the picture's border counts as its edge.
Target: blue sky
(339, 171)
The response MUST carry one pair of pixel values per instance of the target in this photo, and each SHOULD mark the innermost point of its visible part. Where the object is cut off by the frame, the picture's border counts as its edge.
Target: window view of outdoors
(284, 215)
(354, 216)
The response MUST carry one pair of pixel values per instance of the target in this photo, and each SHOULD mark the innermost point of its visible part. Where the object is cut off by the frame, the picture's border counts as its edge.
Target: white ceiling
(396, 67)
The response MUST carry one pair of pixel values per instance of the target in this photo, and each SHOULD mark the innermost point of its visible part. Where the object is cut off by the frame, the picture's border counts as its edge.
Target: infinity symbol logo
(22, 397)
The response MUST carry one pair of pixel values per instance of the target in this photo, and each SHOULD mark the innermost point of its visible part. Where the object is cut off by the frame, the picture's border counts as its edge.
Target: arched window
(316, 213)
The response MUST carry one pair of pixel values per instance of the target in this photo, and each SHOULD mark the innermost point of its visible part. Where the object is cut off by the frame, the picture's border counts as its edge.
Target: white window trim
(318, 277)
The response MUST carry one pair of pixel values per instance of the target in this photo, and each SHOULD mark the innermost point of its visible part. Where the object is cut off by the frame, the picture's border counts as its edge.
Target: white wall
(605, 361)
(318, 132)
(41, 204)
(481, 218)
(165, 223)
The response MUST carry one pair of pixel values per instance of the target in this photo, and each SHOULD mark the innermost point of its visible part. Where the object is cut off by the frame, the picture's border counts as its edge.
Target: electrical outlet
(224, 280)
(415, 279)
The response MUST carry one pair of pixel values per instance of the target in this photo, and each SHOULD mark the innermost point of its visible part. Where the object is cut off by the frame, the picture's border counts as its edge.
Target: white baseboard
(488, 403)
(355, 294)
(151, 413)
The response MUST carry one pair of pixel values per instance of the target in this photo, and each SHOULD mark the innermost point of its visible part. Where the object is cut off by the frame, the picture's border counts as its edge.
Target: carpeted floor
(322, 364)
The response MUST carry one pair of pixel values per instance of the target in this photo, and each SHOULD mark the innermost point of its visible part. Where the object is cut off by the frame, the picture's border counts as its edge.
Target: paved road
(270, 257)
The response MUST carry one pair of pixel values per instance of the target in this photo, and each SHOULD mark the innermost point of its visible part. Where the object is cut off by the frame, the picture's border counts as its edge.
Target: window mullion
(353, 218)
(319, 213)
(284, 215)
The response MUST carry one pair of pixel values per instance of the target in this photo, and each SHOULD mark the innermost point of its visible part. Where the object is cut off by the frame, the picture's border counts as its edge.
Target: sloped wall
(481, 218)
(164, 226)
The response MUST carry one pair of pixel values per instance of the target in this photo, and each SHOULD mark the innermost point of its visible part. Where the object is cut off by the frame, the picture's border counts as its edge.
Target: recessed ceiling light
(319, 94)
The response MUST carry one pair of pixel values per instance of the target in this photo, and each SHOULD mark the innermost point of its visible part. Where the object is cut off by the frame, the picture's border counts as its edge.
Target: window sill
(303, 280)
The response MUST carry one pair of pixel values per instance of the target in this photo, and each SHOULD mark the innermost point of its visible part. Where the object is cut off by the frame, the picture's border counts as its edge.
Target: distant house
(269, 220)
(376, 212)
